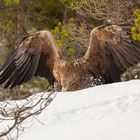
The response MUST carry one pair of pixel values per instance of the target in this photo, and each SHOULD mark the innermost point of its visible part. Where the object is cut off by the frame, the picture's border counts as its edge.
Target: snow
(106, 112)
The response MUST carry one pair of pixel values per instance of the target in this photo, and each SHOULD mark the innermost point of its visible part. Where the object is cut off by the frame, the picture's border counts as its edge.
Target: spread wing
(112, 50)
(35, 55)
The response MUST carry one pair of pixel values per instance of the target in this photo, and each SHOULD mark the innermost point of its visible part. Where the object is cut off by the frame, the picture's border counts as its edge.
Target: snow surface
(107, 112)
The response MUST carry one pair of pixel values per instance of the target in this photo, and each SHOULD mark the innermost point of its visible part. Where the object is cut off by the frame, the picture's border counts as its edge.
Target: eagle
(110, 52)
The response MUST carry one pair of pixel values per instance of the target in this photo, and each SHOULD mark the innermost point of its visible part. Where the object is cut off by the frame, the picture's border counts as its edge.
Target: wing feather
(116, 56)
(20, 74)
(7, 72)
(32, 69)
(23, 73)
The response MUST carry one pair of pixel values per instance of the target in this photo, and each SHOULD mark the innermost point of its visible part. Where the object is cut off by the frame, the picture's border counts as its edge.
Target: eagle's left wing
(112, 50)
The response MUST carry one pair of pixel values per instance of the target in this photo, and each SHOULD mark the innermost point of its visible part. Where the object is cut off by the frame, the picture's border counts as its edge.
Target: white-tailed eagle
(110, 52)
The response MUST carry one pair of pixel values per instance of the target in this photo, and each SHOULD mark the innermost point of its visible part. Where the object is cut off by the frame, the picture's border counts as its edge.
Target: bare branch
(114, 11)
(14, 113)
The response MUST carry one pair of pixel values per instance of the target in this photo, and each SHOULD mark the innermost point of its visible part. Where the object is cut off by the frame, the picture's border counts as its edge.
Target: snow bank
(107, 112)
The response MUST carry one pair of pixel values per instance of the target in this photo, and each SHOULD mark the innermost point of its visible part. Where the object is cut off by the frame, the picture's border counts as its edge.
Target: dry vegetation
(111, 11)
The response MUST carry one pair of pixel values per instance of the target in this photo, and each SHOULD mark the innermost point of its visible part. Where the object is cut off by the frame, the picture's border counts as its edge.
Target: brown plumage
(111, 51)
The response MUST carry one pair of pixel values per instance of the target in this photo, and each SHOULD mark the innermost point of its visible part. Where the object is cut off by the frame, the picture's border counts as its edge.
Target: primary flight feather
(110, 52)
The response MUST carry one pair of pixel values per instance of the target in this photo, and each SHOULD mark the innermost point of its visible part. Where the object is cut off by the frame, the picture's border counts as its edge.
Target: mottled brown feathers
(31, 57)
(111, 51)
(118, 48)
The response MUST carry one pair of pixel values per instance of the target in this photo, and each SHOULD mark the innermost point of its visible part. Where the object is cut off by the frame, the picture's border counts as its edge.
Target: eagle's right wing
(35, 55)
